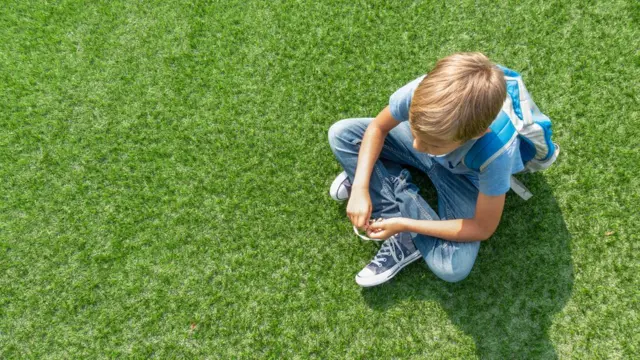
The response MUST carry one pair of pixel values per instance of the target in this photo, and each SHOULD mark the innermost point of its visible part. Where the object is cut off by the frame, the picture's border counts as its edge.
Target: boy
(430, 124)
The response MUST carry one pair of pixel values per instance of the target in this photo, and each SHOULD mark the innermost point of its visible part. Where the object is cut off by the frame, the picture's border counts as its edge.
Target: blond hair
(458, 99)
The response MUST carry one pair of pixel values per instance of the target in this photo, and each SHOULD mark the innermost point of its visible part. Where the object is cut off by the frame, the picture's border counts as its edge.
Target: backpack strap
(492, 144)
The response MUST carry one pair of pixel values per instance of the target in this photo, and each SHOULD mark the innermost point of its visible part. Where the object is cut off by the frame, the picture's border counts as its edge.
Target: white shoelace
(364, 237)
(388, 248)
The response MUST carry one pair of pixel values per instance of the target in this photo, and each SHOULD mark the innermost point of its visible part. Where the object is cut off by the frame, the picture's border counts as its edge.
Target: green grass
(164, 170)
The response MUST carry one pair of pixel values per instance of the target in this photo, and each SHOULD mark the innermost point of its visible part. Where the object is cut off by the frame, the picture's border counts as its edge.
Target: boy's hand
(384, 228)
(359, 207)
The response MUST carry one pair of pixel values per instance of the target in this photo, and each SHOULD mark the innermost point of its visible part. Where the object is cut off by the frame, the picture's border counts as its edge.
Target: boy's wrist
(401, 224)
(360, 187)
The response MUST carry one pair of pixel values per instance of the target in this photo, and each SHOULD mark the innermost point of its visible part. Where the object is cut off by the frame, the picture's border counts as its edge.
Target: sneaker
(396, 252)
(341, 187)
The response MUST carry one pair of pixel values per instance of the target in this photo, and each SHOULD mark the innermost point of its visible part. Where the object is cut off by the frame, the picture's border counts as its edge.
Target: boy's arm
(370, 149)
(480, 227)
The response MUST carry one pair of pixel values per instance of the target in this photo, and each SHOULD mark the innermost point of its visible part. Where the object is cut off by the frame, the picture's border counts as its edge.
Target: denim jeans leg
(345, 138)
(451, 261)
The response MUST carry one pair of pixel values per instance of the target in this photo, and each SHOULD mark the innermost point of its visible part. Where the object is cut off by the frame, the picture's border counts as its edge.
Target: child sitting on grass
(430, 124)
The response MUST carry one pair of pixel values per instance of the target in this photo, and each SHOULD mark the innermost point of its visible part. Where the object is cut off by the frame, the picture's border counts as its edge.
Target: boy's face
(435, 146)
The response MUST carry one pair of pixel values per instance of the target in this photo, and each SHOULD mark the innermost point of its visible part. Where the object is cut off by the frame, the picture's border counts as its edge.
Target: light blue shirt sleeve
(495, 179)
(400, 100)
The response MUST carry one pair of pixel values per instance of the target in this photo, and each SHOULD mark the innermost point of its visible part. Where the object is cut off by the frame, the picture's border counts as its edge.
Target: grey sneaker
(395, 253)
(341, 187)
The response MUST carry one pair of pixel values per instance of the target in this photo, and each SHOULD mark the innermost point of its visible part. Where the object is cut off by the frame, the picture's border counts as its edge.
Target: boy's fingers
(364, 220)
(354, 220)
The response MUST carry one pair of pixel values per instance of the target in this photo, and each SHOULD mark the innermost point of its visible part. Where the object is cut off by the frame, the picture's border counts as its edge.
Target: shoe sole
(384, 277)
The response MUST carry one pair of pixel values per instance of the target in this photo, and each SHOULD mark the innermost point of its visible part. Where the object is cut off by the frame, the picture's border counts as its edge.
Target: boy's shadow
(522, 277)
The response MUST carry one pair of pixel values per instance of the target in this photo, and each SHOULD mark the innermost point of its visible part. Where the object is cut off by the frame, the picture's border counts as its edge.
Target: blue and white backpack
(519, 118)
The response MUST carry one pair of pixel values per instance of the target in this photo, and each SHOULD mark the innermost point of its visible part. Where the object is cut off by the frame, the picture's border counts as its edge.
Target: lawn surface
(164, 170)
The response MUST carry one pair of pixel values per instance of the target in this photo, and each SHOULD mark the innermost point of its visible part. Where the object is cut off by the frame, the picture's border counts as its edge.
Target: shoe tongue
(387, 247)
(390, 248)
(405, 242)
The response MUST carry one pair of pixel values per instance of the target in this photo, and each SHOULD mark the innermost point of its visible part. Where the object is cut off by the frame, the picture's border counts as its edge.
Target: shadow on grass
(522, 277)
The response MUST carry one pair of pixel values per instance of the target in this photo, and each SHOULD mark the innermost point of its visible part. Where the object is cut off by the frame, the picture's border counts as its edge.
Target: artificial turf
(164, 169)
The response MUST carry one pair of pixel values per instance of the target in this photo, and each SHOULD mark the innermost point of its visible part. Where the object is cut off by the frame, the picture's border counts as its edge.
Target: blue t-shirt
(494, 179)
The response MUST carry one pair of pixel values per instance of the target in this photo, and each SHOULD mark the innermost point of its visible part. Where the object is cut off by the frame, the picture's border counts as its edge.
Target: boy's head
(455, 102)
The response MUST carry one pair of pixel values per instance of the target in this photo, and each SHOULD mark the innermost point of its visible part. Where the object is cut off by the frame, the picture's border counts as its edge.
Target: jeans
(394, 195)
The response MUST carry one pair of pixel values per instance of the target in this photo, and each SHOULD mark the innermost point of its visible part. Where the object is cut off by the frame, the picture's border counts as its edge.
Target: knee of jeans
(452, 276)
(457, 266)
(337, 129)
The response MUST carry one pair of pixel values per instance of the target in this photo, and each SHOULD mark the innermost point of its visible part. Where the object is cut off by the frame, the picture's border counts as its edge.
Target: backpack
(519, 118)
